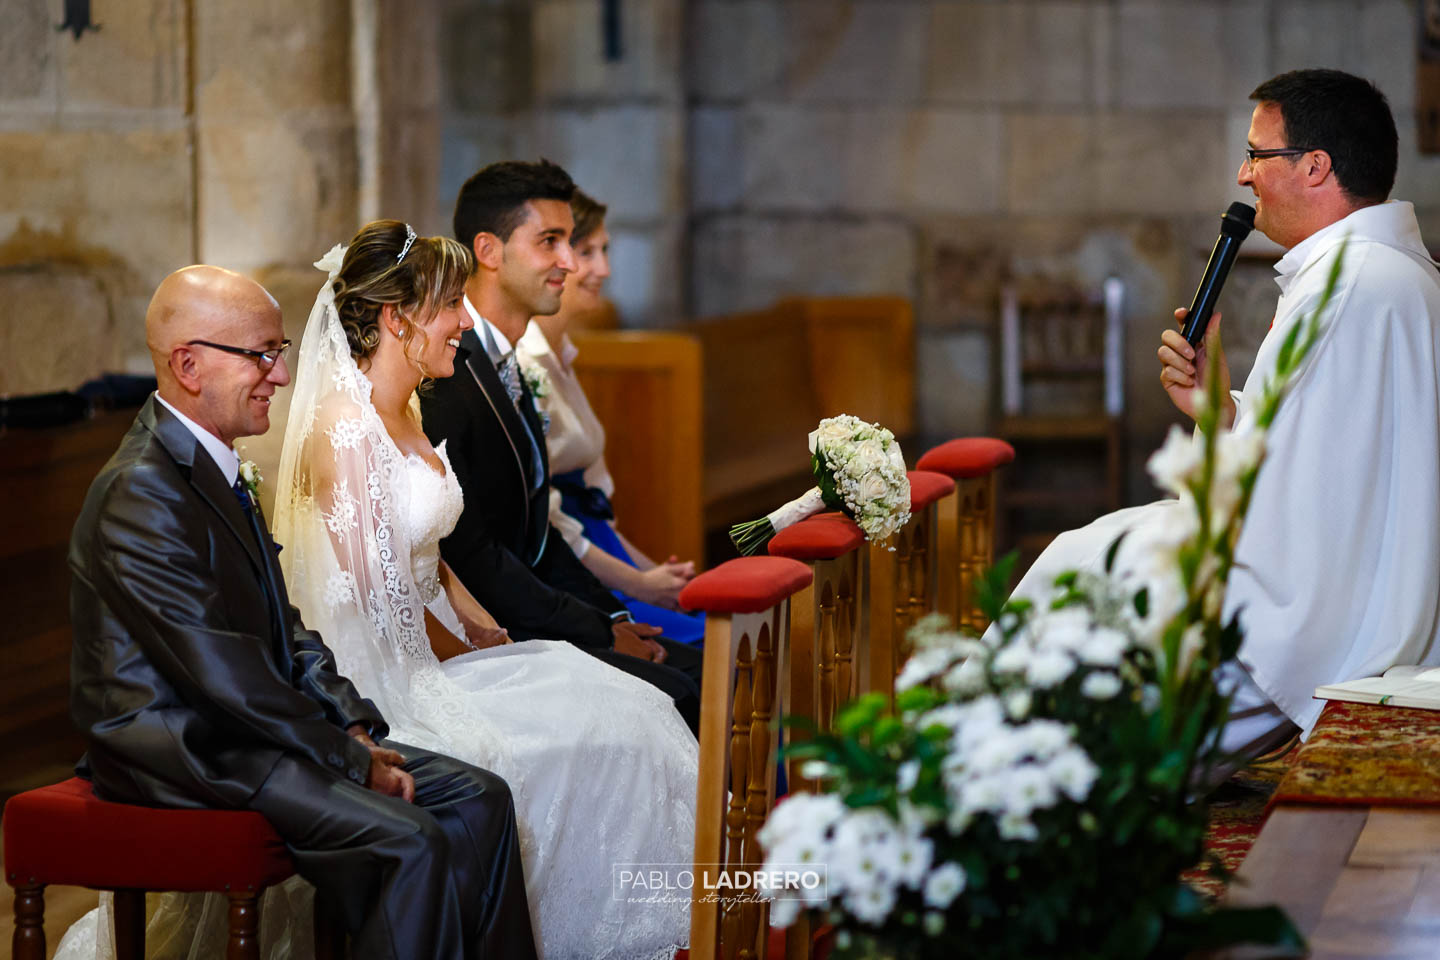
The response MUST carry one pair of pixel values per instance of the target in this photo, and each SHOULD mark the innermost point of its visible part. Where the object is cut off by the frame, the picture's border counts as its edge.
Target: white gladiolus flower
(945, 883)
(1100, 686)
(1178, 461)
(1192, 641)
(1238, 451)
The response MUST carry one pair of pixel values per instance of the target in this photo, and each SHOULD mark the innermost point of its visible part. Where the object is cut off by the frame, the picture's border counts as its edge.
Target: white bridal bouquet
(858, 468)
(1032, 792)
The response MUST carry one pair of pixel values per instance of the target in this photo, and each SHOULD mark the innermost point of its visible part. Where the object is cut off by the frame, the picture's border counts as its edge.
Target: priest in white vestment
(1337, 572)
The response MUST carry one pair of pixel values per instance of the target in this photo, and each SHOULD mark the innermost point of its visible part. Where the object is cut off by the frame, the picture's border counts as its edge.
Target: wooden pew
(760, 382)
(44, 474)
(772, 375)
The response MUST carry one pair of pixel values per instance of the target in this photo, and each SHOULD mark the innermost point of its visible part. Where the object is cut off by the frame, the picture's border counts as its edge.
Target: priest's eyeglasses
(1252, 154)
(264, 359)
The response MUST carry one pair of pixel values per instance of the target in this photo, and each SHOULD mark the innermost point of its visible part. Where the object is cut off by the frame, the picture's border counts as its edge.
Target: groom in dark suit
(196, 684)
(516, 218)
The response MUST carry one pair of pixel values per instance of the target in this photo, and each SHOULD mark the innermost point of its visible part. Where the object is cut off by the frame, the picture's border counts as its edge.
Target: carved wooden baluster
(731, 933)
(981, 552)
(825, 591)
(846, 626)
(967, 492)
(922, 565)
(758, 791)
(905, 572)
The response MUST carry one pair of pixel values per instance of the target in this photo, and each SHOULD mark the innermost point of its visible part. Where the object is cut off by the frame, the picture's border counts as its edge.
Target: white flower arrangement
(858, 468)
(1030, 793)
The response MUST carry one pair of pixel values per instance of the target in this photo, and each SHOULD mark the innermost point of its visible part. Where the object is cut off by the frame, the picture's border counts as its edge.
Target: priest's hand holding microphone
(1187, 352)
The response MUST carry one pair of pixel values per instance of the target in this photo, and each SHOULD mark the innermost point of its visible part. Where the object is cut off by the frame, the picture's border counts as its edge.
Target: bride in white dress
(601, 767)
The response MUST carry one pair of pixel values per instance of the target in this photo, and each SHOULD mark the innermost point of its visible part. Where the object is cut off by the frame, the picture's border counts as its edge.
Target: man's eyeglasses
(264, 359)
(1251, 154)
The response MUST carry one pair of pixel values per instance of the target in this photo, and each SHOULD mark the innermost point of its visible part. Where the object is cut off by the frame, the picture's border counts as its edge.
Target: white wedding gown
(602, 768)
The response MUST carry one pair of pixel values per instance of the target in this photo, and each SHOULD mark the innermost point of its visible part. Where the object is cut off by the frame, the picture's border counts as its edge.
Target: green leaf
(1228, 926)
(1113, 551)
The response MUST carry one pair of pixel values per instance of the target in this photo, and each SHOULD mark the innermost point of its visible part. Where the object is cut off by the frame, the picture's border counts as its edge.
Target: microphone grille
(1239, 219)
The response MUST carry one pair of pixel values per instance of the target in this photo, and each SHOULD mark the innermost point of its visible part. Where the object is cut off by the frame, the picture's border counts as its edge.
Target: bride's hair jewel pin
(409, 239)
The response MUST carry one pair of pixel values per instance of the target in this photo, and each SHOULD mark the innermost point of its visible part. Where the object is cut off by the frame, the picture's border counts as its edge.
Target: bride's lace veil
(346, 556)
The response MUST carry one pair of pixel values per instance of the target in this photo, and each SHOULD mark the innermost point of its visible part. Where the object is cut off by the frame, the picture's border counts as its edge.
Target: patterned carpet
(1237, 811)
(1362, 754)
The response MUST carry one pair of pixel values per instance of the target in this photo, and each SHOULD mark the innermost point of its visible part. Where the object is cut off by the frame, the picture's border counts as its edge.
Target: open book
(1399, 687)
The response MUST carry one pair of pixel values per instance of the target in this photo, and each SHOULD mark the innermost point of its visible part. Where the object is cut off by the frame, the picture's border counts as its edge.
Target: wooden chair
(1062, 399)
(64, 834)
(966, 522)
(747, 659)
(903, 579)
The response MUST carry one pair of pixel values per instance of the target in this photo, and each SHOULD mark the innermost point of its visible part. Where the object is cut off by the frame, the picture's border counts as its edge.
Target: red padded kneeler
(927, 486)
(65, 834)
(824, 536)
(966, 457)
(745, 585)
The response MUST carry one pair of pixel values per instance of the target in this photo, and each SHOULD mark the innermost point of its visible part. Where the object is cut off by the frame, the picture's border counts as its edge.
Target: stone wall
(181, 131)
(751, 149)
(935, 148)
(529, 78)
(98, 198)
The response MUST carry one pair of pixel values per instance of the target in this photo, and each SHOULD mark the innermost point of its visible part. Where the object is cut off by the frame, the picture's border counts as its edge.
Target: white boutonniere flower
(535, 378)
(250, 476)
(538, 382)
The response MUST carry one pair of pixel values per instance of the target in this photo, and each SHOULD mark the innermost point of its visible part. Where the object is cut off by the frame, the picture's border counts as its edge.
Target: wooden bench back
(707, 427)
(645, 387)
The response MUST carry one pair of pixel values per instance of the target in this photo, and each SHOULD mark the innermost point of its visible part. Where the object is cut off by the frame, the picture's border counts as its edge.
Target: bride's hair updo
(432, 272)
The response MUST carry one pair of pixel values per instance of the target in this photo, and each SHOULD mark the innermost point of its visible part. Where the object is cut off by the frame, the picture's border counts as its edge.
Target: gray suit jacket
(191, 674)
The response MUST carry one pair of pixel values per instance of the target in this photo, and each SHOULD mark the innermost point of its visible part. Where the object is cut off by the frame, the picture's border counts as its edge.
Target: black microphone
(1235, 226)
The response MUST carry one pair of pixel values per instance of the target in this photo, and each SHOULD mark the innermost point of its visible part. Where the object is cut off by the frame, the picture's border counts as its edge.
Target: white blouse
(575, 439)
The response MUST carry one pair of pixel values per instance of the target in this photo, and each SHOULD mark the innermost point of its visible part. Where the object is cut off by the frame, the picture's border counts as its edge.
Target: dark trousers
(440, 878)
(678, 676)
